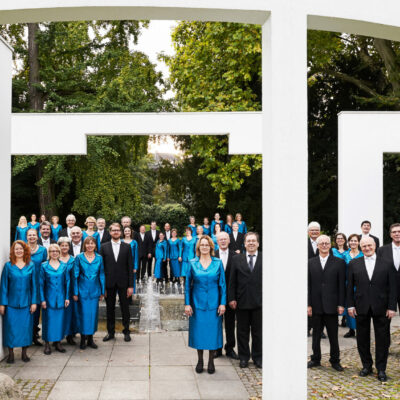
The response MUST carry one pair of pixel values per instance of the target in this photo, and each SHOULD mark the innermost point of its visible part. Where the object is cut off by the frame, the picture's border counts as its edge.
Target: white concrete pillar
(5, 157)
(284, 73)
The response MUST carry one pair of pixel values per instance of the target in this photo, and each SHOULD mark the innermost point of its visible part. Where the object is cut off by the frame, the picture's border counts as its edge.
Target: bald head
(368, 246)
(324, 245)
(223, 240)
(76, 234)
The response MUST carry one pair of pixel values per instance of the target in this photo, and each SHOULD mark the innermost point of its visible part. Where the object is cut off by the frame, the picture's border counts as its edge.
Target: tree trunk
(46, 195)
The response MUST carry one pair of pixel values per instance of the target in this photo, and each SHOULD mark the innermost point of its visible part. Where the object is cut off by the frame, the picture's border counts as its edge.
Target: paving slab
(170, 359)
(85, 373)
(171, 373)
(124, 390)
(218, 390)
(173, 390)
(74, 390)
(222, 373)
(136, 373)
(39, 372)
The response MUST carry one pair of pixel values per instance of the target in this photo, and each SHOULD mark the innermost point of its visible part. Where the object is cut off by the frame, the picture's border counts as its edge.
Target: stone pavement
(151, 366)
(326, 383)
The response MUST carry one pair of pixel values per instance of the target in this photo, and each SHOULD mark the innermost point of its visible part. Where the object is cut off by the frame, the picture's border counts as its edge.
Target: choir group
(359, 280)
(62, 273)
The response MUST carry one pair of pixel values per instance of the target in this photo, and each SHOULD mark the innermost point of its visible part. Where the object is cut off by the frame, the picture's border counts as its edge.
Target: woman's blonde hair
(22, 217)
(210, 242)
(53, 246)
(91, 219)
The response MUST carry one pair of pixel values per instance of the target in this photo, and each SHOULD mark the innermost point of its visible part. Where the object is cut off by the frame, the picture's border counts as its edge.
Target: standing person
(216, 221)
(22, 229)
(174, 251)
(142, 241)
(245, 296)
(161, 254)
(352, 253)
(45, 235)
(365, 229)
(101, 230)
(89, 288)
(188, 250)
(226, 256)
(217, 230)
(56, 228)
(152, 238)
(118, 267)
(206, 226)
(70, 221)
(373, 297)
(38, 256)
(33, 223)
(18, 300)
(326, 297)
(199, 232)
(76, 241)
(91, 224)
(42, 218)
(192, 225)
(205, 300)
(128, 239)
(126, 221)
(236, 239)
(54, 298)
(167, 231)
(242, 224)
(165, 269)
(228, 224)
(340, 245)
(71, 312)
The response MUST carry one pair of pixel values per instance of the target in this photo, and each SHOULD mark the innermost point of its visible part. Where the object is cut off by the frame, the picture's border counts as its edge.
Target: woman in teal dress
(128, 238)
(174, 251)
(71, 312)
(56, 228)
(188, 250)
(18, 300)
(206, 226)
(340, 245)
(33, 223)
(352, 253)
(217, 230)
(38, 256)
(91, 223)
(89, 287)
(205, 299)
(216, 221)
(54, 298)
(21, 229)
(192, 225)
(228, 224)
(161, 255)
(241, 223)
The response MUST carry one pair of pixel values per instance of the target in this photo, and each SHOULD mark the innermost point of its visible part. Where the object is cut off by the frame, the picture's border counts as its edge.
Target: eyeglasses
(324, 243)
(204, 245)
(115, 230)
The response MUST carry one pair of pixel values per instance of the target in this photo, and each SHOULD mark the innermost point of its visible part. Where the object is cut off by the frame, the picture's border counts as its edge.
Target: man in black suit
(236, 239)
(229, 317)
(326, 299)
(118, 269)
(103, 233)
(71, 221)
(45, 231)
(314, 230)
(152, 238)
(76, 241)
(371, 293)
(245, 296)
(142, 240)
(167, 236)
(365, 229)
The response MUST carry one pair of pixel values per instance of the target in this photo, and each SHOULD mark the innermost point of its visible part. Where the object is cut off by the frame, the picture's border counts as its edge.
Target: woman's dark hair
(345, 246)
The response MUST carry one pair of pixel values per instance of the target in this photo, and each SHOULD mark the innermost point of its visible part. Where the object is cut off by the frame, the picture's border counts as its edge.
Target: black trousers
(390, 320)
(124, 305)
(149, 266)
(331, 323)
(382, 335)
(249, 321)
(229, 321)
(141, 272)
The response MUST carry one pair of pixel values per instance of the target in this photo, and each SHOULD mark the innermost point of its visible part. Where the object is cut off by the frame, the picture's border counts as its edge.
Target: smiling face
(395, 235)
(45, 231)
(354, 242)
(340, 240)
(64, 246)
(115, 232)
(204, 247)
(32, 236)
(127, 232)
(251, 244)
(368, 246)
(366, 227)
(70, 222)
(314, 232)
(324, 245)
(54, 254)
(76, 235)
(161, 237)
(90, 246)
(18, 251)
(33, 218)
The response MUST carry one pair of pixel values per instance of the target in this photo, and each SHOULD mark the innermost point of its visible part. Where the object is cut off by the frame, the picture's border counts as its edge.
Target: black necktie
(251, 262)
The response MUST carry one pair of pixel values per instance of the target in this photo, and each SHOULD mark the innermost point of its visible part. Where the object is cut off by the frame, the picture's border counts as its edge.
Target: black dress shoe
(108, 337)
(25, 358)
(218, 353)
(232, 354)
(312, 364)
(47, 349)
(338, 367)
(350, 333)
(59, 348)
(199, 366)
(211, 367)
(127, 337)
(10, 359)
(82, 346)
(91, 343)
(243, 364)
(365, 371)
(70, 340)
(323, 336)
(382, 376)
(258, 364)
(36, 341)
(344, 322)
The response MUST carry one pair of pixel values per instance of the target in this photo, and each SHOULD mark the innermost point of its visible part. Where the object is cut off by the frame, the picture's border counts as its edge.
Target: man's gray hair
(70, 216)
(64, 239)
(222, 233)
(76, 228)
(314, 225)
(323, 237)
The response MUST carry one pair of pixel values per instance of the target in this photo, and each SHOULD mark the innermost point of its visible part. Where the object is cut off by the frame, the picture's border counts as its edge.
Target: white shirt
(69, 232)
(153, 234)
(314, 245)
(46, 243)
(235, 235)
(396, 255)
(142, 236)
(76, 248)
(101, 233)
(323, 260)
(254, 258)
(223, 255)
(115, 247)
(370, 264)
(168, 234)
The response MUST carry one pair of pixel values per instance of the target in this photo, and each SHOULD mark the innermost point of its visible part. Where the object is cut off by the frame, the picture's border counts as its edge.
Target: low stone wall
(172, 313)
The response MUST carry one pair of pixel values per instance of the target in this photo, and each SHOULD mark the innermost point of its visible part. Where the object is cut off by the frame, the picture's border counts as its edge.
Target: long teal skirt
(71, 320)
(88, 311)
(17, 327)
(175, 267)
(53, 324)
(205, 330)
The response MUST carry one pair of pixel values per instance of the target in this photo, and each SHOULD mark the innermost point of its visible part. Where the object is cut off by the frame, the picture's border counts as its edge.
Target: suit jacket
(326, 287)
(231, 254)
(71, 250)
(106, 237)
(63, 232)
(236, 244)
(386, 252)
(373, 237)
(40, 241)
(118, 273)
(311, 250)
(151, 244)
(142, 244)
(245, 286)
(379, 294)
